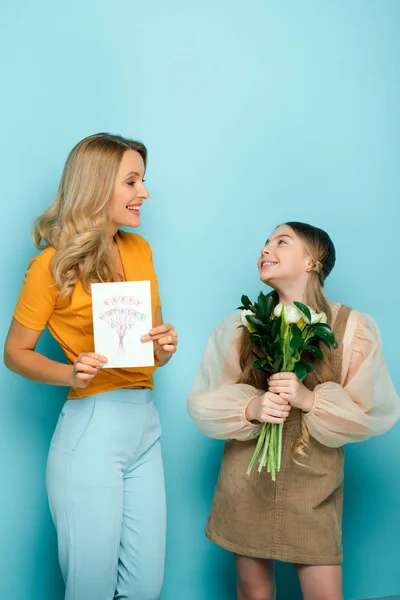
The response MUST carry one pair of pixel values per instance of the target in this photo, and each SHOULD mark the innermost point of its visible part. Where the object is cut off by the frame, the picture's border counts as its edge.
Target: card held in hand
(121, 316)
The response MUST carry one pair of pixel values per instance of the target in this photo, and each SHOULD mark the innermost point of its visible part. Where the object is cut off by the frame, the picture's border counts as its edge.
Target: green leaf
(260, 363)
(255, 321)
(277, 346)
(315, 350)
(304, 309)
(270, 306)
(266, 338)
(246, 303)
(265, 347)
(300, 370)
(323, 327)
(276, 349)
(308, 366)
(295, 343)
(262, 306)
(323, 341)
(325, 333)
(296, 331)
(276, 325)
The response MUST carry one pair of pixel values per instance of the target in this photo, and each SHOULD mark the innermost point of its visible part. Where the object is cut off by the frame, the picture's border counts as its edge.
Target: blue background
(254, 113)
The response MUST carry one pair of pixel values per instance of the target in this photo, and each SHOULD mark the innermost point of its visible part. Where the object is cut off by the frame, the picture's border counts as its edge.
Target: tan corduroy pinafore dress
(296, 519)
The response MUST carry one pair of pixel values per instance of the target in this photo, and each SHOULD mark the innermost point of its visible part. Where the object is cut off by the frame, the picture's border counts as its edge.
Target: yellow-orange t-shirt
(70, 320)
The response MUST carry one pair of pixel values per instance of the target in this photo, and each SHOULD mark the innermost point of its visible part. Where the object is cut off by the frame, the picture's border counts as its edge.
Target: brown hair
(75, 223)
(320, 247)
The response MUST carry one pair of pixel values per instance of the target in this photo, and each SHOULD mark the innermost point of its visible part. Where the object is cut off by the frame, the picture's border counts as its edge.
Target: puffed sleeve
(366, 402)
(38, 295)
(217, 404)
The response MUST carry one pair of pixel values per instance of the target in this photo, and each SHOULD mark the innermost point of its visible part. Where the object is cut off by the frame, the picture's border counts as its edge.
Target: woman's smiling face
(129, 192)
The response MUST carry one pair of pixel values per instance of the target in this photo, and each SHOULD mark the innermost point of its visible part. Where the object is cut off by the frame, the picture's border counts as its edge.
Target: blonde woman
(105, 477)
(348, 398)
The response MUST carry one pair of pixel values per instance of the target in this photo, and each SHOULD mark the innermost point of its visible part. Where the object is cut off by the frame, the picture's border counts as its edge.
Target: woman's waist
(112, 381)
(130, 395)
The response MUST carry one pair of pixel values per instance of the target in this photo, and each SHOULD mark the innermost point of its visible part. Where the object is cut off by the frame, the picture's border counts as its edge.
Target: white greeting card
(121, 316)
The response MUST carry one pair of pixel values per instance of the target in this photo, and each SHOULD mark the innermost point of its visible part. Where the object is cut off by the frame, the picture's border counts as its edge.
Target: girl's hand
(165, 340)
(291, 389)
(86, 366)
(268, 408)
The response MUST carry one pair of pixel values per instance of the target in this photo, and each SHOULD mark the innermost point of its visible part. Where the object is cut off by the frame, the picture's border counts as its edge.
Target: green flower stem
(308, 337)
(284, 335)
(271, 454)
(263, 458)
(279, 451)
(260, 442)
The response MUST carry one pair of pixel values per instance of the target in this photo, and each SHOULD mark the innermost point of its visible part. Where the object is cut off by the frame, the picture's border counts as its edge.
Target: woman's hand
(165, 340)
(267, 408)
(291, 389)
(86, 366)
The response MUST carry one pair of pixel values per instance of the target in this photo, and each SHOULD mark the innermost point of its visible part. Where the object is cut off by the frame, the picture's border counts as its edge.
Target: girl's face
(284, 258)
(129, 192)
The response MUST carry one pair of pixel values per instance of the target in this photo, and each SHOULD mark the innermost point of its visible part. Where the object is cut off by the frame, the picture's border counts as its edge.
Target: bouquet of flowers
(284, 337)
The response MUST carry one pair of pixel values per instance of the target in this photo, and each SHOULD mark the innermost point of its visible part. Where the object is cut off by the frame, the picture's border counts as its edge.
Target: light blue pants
(105, 483)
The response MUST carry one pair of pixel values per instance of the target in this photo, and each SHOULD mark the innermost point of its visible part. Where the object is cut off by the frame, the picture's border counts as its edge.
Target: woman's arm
(21, 357)
(36, 303)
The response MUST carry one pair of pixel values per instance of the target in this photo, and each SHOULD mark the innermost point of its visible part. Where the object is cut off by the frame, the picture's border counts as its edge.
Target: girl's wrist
(248, 411)
(308, 401)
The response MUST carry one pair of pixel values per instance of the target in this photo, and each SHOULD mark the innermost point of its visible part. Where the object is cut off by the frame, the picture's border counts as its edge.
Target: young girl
(349, 397)
(104, 475)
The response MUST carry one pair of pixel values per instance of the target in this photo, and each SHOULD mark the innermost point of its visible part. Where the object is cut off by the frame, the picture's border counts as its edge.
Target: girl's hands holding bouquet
(268, 408)
(291, 390)
(283, 337)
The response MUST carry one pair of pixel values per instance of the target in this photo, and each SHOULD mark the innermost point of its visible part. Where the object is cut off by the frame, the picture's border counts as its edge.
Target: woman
(348, 398)
(104, 475)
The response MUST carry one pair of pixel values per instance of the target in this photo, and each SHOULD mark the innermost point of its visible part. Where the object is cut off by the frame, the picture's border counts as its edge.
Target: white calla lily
(292, 313)
(243, 315)
(278, 310)
(318, 317)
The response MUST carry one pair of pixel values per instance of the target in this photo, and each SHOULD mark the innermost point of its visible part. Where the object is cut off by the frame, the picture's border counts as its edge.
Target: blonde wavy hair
(320, 248)
(75, 223)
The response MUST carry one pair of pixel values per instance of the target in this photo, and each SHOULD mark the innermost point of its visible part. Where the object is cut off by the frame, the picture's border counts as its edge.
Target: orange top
(70, 320)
